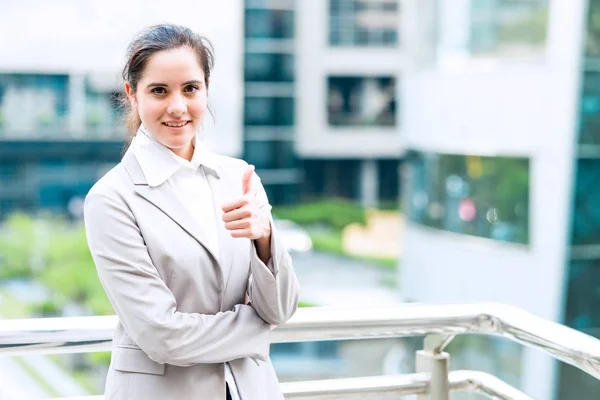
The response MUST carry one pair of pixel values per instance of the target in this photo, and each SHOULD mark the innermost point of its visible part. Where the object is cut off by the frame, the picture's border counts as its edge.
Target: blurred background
(413, 150)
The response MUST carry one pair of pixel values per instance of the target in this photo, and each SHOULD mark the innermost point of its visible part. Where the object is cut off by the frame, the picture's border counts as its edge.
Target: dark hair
(150, 41)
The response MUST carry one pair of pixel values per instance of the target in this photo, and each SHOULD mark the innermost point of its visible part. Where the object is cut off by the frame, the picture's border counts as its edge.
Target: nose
(176, 106)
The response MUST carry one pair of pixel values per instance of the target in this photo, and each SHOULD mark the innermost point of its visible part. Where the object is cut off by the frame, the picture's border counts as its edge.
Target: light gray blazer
(181, 312)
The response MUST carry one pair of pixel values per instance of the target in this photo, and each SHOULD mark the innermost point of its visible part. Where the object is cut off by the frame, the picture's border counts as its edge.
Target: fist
(243, 217)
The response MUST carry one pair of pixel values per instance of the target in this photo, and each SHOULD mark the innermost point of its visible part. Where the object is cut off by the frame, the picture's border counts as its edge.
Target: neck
(187, 152)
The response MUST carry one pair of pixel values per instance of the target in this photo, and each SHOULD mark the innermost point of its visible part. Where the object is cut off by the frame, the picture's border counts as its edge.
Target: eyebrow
(155, 84)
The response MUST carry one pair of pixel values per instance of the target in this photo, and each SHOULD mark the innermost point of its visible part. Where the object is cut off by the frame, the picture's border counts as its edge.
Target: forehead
(175, 65)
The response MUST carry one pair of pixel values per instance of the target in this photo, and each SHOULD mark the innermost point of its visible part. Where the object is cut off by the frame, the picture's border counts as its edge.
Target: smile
(176, 124)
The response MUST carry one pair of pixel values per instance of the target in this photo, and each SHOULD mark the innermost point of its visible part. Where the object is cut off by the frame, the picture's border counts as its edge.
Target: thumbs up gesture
(242, 217)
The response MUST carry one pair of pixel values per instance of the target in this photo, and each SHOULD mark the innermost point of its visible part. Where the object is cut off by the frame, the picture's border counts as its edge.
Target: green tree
(17, 246)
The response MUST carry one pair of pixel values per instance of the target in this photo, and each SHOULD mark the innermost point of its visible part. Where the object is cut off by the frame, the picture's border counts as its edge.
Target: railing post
(435, 362)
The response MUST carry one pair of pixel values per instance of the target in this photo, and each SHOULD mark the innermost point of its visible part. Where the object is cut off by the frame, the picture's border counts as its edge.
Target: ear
(130, 95)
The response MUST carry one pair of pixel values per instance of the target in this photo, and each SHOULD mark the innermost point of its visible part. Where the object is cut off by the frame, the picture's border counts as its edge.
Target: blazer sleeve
(147, 308)
(273, 288)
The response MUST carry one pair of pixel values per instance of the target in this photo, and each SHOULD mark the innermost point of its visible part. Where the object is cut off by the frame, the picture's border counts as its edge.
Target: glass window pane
(361, 101)
(269, 67)
(32, 104)
(274, 24)
(593, 30)
(361, 22)
(273, 111)
(481, 28)
(270, 154)
(590, 109)
(480, 196)
(586, 215)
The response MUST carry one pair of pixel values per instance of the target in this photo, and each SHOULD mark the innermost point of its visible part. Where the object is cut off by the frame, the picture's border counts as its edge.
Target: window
(363, 22)
(270, 154)
(330, 178)
(581, 313)
(388, 178)
(269, 24)
(272, 111)
(33, 104)
(480, 29)
(361, 101)
(269, 67)
(586, 213)
(103, 113)
(592, 43)
(590, 109)
(473, 195)
(508, 27)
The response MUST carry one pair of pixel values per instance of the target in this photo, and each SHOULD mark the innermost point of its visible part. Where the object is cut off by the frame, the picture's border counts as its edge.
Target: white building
(492, 123)
(350, 63)
(322, 98)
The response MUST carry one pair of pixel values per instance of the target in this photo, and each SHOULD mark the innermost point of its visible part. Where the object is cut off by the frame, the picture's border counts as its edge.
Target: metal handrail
(86, 334)
(389, 385)
(399, 385)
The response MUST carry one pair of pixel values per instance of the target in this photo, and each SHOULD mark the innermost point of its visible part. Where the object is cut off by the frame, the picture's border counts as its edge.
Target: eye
(191, 88)
(158, 90)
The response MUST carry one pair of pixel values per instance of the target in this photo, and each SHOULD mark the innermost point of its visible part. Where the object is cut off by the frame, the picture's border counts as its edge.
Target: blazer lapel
(165, 200)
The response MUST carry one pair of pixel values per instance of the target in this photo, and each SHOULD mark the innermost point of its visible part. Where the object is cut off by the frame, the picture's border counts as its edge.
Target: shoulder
(226, 162)
(231, 167)
(112, 185)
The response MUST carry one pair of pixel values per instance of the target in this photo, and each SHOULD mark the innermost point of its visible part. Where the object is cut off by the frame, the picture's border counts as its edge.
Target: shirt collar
(158, 163)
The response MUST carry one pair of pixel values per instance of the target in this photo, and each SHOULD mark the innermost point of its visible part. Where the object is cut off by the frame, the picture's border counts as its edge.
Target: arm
(147, 308)
(274, 288)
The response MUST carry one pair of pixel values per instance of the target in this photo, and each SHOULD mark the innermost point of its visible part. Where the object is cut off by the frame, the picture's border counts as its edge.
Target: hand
(242, 217)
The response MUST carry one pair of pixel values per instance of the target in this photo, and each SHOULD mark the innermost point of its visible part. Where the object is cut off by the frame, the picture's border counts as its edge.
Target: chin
(178, 142)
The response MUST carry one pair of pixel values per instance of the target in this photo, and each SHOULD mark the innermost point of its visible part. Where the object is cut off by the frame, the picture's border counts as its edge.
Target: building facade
(500, 110)
(306, 91)
(350, 61)
(61, 125)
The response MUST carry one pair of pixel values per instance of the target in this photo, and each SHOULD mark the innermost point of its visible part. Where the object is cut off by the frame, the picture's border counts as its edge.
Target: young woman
(184, 242)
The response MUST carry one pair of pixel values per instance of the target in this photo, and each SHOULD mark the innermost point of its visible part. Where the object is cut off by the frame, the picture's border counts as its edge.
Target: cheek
(198, 107)
(150, 108)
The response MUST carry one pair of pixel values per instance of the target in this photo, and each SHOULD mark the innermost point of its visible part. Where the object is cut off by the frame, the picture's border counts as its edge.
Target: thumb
(246, 178)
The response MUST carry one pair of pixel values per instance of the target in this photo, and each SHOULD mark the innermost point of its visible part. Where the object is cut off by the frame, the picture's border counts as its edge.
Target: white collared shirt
(161, 166)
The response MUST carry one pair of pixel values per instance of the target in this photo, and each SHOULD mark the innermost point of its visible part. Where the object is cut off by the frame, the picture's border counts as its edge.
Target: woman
(184, 242)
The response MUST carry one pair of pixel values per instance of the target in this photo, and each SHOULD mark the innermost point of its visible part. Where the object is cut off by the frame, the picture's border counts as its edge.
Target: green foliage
(64, 263)
(48, 308)
(325, 221)
(10, 307)
(306, 304)
(329, 241)
(336, 213)
(99, 358)
(70, 269)
(17, 244)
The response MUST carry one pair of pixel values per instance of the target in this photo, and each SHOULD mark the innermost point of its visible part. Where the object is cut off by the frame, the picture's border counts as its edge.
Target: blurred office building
(306, 91)
(501, 111)
(61, 124)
